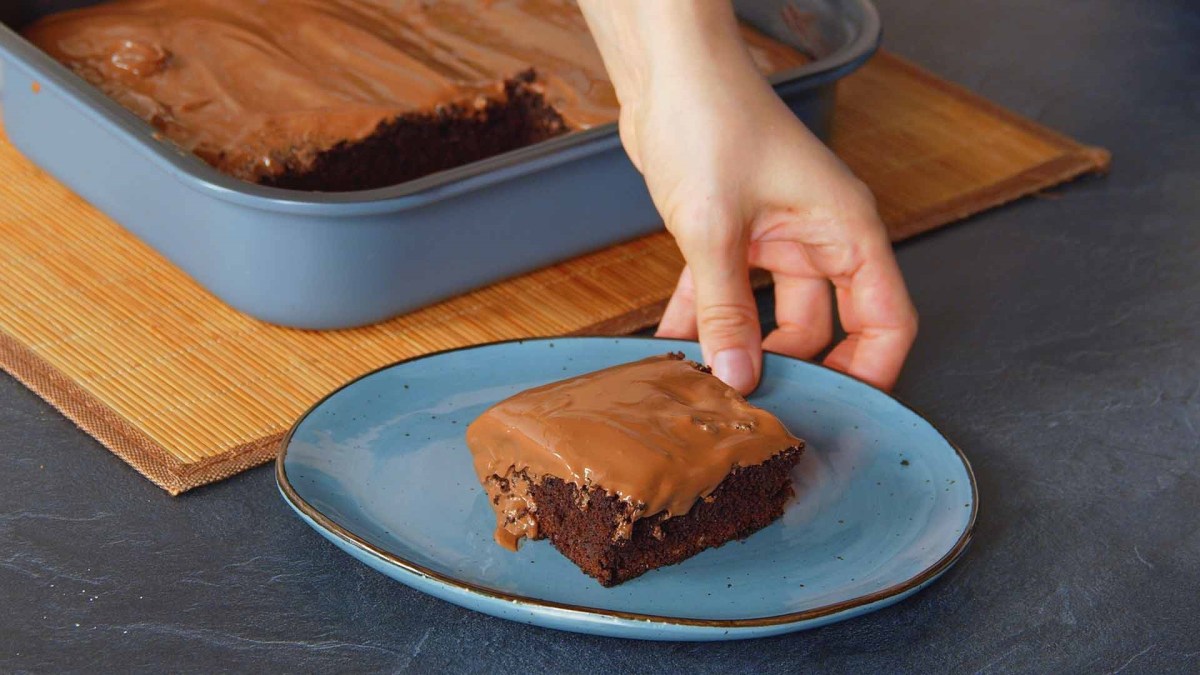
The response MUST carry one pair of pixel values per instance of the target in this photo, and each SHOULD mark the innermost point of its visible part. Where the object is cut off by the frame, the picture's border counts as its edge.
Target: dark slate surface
(1060, 347)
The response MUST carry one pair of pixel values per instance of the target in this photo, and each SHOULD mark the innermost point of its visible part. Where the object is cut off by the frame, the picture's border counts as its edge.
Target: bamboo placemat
(188, 391)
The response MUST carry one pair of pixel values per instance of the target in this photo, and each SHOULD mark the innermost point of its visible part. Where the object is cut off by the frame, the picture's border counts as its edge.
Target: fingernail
(734, 368)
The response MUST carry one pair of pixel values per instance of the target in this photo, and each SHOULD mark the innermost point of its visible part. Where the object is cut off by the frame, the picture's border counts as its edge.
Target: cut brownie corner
(749, 499)
(417, 144)
(606, 537)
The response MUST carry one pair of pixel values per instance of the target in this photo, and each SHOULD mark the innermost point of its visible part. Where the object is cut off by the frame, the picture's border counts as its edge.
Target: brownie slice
(718, 469)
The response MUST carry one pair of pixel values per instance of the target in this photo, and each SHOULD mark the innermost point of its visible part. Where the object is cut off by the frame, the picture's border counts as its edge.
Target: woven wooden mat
(188, 391)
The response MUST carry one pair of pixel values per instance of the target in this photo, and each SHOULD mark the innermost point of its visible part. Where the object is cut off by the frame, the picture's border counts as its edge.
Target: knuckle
(726, 320)
(863, 194)
(840, 259)
(848, 203)
(711, 243)
(700, 226)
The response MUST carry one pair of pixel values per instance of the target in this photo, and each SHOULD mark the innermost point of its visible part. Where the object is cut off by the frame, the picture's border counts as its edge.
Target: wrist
(663, 44)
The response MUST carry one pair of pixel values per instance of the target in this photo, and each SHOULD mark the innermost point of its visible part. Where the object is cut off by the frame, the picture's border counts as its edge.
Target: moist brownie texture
(450, 136)
(633, 467)
(334, 95)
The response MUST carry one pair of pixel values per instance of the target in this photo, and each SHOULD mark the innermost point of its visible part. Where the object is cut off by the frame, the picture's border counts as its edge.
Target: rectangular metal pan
(336, 260)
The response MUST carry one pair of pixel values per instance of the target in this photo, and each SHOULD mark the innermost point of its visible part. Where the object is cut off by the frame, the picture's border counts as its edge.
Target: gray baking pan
(336, 260)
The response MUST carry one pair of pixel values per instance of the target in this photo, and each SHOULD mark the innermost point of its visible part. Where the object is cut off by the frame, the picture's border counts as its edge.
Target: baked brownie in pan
(323, 260)
(343, 95)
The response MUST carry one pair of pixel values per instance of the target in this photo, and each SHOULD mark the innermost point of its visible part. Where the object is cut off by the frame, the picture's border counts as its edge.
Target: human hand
(742, 184)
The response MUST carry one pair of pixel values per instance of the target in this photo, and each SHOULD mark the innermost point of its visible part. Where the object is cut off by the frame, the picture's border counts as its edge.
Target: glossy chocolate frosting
(251, 84)
(660, 433)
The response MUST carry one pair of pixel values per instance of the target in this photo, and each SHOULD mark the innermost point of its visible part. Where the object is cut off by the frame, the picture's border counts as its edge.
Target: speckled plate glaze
(885, 503)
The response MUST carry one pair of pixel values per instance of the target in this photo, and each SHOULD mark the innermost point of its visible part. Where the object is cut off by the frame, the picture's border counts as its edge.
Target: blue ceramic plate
(885, 503)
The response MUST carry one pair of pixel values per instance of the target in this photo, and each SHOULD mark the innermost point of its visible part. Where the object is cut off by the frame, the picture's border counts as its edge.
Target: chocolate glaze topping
(250, 84)
(660, 433)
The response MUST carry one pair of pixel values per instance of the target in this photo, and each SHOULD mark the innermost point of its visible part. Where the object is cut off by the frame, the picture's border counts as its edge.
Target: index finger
(877, 315)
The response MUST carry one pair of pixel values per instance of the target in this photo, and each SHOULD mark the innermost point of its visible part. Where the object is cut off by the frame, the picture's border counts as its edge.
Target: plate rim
(894, 592)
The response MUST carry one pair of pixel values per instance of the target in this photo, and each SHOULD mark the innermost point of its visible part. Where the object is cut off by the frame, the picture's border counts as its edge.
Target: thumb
(726, 315)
